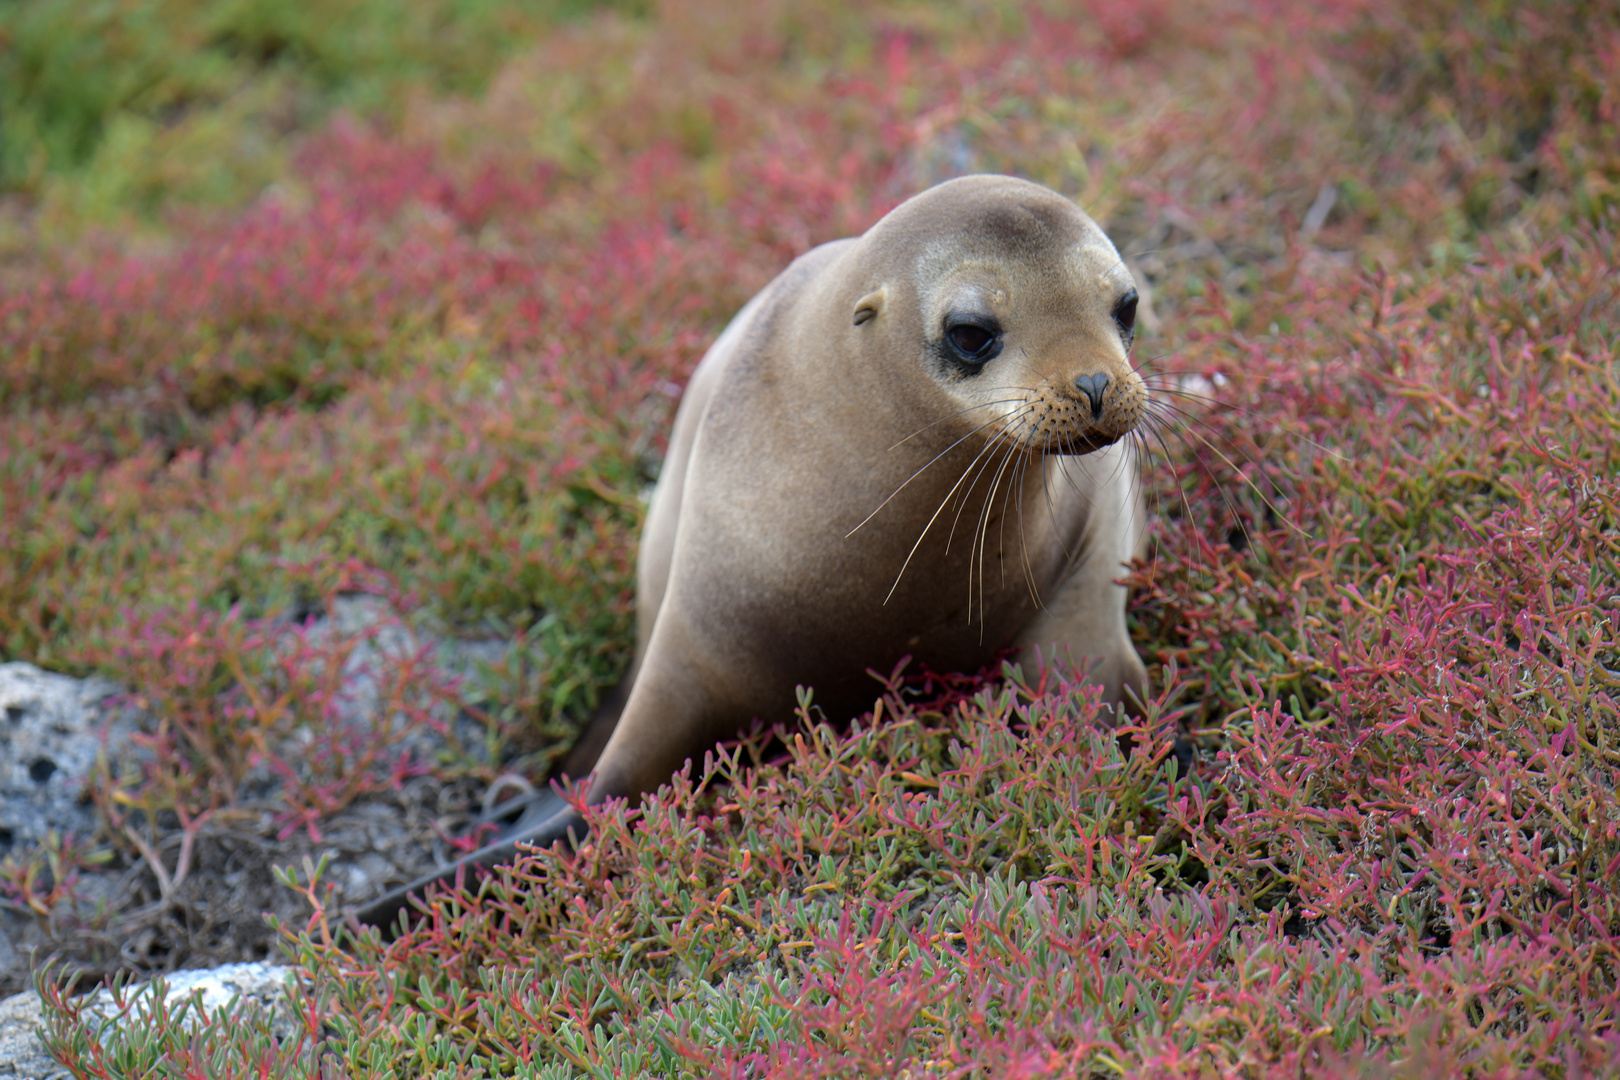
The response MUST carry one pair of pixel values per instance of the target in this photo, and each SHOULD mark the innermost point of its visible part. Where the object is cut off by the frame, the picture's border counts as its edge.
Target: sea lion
(909, 443)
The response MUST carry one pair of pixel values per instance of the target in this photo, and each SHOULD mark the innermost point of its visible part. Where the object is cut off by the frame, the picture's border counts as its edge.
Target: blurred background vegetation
(113, 108)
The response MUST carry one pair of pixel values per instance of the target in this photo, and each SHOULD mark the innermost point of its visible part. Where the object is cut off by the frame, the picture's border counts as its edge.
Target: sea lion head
(1017, 306)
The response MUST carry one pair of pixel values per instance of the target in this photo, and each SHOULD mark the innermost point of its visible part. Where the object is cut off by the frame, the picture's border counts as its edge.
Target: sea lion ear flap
(868, 306)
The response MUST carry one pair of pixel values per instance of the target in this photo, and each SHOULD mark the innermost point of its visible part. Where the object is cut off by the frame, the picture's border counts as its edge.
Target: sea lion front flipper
(546, 821)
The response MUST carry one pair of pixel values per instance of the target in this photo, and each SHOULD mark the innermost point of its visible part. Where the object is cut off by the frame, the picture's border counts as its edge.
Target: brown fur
(838, 495)
(753, 576)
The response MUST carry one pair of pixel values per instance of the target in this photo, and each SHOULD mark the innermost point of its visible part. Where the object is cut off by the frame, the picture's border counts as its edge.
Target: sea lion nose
(1093, 386)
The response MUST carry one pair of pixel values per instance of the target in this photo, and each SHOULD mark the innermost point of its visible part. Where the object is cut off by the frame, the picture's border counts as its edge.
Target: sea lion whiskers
(983, 536)
(935, 458)
(1228, 406)
(1162, 419)
(1017, 484)
(1023, 535)
(1024, 391)
(1024, 455)
(1150, 430)
(1023, 538)
(1050, 463)
(1046, 490)
(983, 461)
(1122, 461)
(1179, 421)
(1155, 424)
(1082, 553)
(1151, 380)
(935, 517)
(976, 536)
(1159, 422)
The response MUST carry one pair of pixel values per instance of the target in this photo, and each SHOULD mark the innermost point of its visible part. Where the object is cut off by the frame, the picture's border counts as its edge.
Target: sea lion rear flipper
(546, 821)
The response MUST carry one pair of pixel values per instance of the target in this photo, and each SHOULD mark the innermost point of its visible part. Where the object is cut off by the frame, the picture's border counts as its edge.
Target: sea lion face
(1026, 315)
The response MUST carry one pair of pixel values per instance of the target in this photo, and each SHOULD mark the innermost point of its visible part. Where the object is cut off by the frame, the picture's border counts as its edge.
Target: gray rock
(23, 1056)
(50, 734)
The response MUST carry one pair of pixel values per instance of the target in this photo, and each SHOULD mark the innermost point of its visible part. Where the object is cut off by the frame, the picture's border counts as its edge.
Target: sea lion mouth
(1055, 422)
(1075, 445)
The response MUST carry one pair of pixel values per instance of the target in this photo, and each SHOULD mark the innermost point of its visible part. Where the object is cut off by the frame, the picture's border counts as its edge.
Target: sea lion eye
(1125, 316)
(973, 339)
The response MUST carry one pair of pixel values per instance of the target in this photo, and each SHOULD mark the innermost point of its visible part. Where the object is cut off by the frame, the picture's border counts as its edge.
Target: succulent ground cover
(432, 359)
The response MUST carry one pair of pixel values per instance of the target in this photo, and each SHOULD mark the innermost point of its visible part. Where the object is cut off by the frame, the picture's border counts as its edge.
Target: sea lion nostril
(1093, 386)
